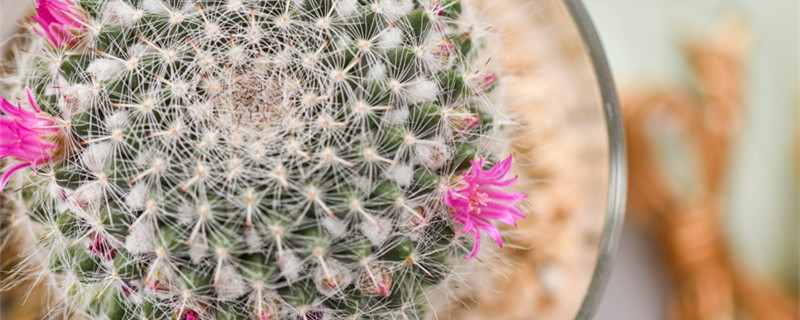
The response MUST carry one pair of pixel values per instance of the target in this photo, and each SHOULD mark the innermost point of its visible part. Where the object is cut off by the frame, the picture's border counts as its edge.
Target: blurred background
(651, 45)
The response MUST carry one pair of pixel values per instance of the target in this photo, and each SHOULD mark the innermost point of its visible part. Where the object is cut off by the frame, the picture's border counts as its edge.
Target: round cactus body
(260, 159)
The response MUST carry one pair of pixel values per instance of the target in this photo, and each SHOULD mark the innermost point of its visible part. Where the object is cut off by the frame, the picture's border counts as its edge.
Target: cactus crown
(258, 159)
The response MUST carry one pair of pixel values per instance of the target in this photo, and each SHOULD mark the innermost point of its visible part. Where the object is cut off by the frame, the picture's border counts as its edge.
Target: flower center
(477, 200)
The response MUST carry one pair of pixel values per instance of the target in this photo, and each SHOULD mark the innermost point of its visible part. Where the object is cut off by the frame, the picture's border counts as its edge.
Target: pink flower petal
(23, 135)
(7, 175)
(477, 247)
(58, 22)
(31, 100)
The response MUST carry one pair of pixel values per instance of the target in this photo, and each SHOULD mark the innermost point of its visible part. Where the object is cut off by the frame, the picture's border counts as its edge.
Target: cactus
(258, 159)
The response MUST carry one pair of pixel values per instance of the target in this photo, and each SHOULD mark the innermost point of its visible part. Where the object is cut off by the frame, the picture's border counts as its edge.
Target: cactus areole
(256, 159)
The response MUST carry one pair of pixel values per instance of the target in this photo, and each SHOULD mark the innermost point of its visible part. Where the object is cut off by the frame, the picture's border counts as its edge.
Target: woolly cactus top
(271, 159)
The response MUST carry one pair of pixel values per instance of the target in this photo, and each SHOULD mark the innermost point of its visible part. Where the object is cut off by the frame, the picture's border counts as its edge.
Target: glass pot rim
(617, 174)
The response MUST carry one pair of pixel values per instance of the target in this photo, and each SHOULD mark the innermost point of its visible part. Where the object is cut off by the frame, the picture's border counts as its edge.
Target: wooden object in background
(687, 219)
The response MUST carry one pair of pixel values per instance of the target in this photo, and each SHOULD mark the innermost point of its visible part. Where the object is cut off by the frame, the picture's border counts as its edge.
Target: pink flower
(377, 282)
(267, 309)
(195, 312)
(443, 50)
(157, 280)
(483, 80)
(464, 122)
(101, 248)
(479, 198)
(59, 22)
(25, 136)
(129, 288)
(437, 9)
